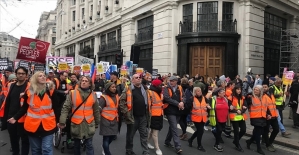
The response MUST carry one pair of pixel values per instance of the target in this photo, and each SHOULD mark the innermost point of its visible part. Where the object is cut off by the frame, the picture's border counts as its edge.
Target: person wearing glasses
(134, 104)
(10, 108)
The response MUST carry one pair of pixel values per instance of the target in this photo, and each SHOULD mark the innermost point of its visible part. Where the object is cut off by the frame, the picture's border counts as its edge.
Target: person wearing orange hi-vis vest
(173, 102)
(199, 116)
(85, 115)
(10, 108)
(5, 81)
(40, 107)
(108, 103)
(157, 114)
(135, 105)
(237, 115)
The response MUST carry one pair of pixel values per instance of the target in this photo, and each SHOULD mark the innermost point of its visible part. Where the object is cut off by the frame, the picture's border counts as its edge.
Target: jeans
(189, 118)
(106, 142)
(140, 124)
(256, 136)
(87, 143)
(239, 130)
(173, 131)
(15, 140)
(198, 133)
(41, 145)
(218, 131)
(183, 123)
(274, 123)
(279, 111)
(281, 126)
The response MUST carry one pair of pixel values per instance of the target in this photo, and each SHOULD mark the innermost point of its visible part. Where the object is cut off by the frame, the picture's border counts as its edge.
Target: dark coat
(294, 90)
(173, 101)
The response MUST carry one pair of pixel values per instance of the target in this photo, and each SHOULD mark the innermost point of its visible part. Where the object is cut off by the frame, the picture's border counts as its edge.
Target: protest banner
(100, 69)
(32, 50)
(86, 69)
(139, 71)
(39, 67)
(63, 67)
(105, 65)
(80, 60)
(3, 63)
(53, 61)
(24, 63)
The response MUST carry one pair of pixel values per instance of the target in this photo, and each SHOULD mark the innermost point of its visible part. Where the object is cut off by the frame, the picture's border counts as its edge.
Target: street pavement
(117, 147)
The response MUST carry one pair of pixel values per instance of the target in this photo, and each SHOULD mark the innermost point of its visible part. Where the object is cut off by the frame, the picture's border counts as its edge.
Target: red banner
(32, 50)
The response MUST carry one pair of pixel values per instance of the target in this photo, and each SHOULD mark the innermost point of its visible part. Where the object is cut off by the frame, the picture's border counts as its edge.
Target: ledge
(207, 34)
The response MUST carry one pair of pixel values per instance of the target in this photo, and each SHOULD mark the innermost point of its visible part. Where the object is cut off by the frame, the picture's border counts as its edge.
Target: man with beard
(74, 80)
(10, 108)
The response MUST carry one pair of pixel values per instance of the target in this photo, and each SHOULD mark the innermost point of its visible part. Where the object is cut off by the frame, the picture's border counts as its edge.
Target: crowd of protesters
(33, 110)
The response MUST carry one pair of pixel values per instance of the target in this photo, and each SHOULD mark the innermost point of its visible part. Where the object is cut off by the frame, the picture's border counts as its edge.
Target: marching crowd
(33, 109)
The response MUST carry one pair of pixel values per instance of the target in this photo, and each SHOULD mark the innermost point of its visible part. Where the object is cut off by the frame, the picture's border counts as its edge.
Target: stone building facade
(8, 46)
(178, 36)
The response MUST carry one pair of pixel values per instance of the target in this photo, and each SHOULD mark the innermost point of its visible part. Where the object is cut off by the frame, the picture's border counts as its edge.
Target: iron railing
(144, 36)
(209, 26)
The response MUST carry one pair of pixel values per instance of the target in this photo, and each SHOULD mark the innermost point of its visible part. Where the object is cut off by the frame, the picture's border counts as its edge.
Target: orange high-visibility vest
(39, 112)
(71, 87)
(2, 108)
(258, 109)
(198, 112)
(86, 110)
(4, 86)
(170, 94)
(129, 98)
(233, 115)
(157, 104)
(228, 92)
(110, 111)
(271, 105)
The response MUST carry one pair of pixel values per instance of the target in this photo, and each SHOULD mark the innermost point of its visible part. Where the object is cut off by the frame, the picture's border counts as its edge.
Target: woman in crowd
(257, 105)
(218, 116)
(157, 114)
(199, 115)
(40, 103)
(109, 115)
(184, 83)
(237, 115)
(185, 112)
(85, 114)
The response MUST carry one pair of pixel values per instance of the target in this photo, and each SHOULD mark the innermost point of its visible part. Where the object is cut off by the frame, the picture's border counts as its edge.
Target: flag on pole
(93, 74)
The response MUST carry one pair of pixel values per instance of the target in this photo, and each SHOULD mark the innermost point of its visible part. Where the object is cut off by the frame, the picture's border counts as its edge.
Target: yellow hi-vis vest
(278, 101)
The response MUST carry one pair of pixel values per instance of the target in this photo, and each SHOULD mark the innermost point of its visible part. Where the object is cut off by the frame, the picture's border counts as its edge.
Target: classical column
(86, 13)
(77, 14)
(103, 11)
(96, 46)
(95, 9)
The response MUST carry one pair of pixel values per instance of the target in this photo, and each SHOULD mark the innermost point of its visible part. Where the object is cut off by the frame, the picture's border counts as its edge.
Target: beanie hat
(108, 85)
(9, 69)
(272, 78)
(198, 83)
(11, 76)
(156, 82)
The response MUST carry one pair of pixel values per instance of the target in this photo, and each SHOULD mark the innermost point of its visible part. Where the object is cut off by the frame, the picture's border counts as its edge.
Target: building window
(83, 13)
(53, 29)
(74, 2)
(92, 43)
(74, 16)
(273, 26)
(119, 36)
(103, 42)
(207, 16)
(111, 40)
(188, 16)
(227, 16)
(53, 40)
(145, 29)
(81, 46)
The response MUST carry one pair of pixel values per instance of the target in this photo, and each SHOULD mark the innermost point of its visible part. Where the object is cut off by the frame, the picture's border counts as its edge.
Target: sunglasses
(138, 77)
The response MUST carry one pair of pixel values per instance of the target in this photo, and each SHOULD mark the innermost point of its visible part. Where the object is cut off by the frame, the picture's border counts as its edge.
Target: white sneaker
(150, 146)
(103, 153)
(205, 128)
(158, 152)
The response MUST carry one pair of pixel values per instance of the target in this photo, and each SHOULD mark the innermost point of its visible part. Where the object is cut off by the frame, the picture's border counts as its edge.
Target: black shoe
(260, 151)
(168, 145)
(221, 141)
(239, 148)
(178, 151)
(248, 144)
(189, 142)
(130, 152)
(200, 148)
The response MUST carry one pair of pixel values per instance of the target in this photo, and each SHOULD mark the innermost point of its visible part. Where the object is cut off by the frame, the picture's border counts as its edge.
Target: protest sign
(24, 63)
(3, 63)
(86, 69)
(62, 67)
(77, 69)
(139, 71)
(32, 50)
(105, 65)
(83, 60)
(100, 69)
(53, 61)
(39, 67)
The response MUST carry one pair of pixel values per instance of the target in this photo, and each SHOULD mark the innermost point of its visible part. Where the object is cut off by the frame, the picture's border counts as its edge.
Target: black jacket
(294, 90)
(173, 101)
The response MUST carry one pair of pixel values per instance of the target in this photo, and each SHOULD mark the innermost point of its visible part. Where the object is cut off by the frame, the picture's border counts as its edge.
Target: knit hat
(11, 76)
(272, 78)
(156, 82)
(108, 85)
(9, 69)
